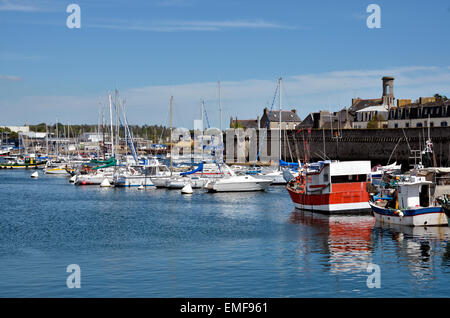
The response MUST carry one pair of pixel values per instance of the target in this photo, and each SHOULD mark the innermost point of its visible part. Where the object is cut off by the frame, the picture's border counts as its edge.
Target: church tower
(388, 91)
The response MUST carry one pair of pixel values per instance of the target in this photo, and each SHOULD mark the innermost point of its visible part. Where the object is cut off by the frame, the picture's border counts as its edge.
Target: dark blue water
(159, 243)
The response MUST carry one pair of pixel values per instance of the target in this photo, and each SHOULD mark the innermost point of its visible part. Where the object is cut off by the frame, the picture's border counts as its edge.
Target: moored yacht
(132, 176)
(235, 183)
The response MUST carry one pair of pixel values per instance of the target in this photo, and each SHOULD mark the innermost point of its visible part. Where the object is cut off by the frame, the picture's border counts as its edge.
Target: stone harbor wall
(377, 145)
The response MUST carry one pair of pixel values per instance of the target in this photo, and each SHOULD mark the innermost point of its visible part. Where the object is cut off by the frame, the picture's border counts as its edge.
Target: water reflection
(346, 239)
(418, 249)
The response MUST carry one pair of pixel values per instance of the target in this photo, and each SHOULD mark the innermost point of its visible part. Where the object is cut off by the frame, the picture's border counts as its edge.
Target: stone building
(327, 120)
(365, 110)
(418, 114)
(244, 123)
(289, 119)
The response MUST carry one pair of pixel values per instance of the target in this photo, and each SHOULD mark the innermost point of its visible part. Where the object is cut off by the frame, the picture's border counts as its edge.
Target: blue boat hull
(421, 216)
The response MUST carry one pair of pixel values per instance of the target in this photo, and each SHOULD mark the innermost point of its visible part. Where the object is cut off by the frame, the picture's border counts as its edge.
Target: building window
(407, 125)
(396, 126)
(443, 124)
(431, 124)
(419, 125)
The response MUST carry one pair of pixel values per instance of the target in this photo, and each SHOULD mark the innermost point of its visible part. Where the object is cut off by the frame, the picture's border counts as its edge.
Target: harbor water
(159, 243)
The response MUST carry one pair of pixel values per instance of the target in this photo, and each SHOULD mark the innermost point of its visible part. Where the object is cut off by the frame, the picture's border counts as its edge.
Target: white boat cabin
(325, 172)
(415, 193)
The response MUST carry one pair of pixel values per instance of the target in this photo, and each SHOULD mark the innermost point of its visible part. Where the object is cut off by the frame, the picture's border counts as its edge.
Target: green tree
(236, 125)
(440, 98)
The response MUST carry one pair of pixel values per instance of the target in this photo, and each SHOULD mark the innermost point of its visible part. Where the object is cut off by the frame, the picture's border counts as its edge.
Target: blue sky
(151, 50)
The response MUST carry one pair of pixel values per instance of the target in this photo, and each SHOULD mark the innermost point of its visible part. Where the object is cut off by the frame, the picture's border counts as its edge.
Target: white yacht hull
(238, 184)
(133, 181)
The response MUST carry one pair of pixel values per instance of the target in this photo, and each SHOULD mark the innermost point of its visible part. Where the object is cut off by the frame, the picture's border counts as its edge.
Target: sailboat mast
(46, 138)
(111, 122)
(57, 137)
(103, 133)
(221, 131)
(202, 110)
(171, 127)
(220, 107)
(117, 123)
(279, 95)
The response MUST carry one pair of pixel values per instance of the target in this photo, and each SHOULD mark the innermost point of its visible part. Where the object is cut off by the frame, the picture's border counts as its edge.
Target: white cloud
(9, 56)
(173, 26)
(175, 3)
(18, 5)
(10, 78)
(244, 99)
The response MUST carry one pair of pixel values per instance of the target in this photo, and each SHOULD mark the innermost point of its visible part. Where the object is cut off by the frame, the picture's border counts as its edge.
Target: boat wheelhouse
(332, 187)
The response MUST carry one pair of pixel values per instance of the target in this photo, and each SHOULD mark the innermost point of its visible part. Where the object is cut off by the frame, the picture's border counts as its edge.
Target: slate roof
(363, 103)
(430, 104)
(286, 116)
(246, 123)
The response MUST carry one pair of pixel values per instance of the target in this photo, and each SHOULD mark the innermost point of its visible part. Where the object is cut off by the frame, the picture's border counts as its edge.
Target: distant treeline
(153, 132)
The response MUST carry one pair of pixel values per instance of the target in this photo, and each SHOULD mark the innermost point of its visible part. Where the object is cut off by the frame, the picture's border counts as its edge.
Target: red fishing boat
(332, 187)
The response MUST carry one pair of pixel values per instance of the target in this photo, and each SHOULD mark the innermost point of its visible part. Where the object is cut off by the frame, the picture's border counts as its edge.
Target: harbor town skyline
(224, 156)
(152, 50)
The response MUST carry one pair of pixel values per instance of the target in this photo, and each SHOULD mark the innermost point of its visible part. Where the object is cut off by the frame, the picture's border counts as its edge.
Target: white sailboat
(276, 175)
(132, 176)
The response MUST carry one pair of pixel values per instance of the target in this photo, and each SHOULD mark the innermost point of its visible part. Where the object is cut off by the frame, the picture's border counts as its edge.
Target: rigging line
(212, 139)
(406, 138)
(289, 146)
(206, 114)
(267, 124)
(400, 139)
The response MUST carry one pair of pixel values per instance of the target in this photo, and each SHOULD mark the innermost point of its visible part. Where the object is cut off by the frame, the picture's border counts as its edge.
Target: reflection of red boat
(347, 238)
(332, 187)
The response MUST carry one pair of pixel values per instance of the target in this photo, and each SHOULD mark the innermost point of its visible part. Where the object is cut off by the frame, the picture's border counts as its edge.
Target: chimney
(294, 111)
